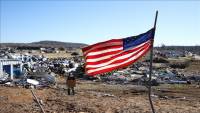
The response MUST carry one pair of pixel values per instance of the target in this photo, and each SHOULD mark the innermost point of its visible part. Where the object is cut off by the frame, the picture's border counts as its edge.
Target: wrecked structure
(9, 66)
(33, 70)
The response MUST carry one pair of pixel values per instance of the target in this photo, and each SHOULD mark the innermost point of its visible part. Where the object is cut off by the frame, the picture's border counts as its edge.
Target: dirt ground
(96, 97)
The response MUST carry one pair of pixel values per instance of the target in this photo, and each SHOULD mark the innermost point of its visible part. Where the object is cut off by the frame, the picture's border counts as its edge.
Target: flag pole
(150, 68)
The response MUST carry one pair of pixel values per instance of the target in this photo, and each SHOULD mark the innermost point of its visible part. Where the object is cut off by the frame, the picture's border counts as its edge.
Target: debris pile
(39, 71)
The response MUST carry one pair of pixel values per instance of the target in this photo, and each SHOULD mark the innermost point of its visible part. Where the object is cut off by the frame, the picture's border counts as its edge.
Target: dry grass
(61, 54)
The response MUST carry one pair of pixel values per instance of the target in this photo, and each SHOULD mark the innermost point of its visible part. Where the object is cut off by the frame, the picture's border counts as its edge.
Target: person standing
(71, 83)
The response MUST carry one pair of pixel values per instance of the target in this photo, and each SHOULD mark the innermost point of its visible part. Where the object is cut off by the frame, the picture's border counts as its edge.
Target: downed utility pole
(150, 67)
(37, 101)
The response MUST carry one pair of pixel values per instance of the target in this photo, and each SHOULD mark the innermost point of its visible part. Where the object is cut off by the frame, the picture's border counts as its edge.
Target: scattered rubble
(41, 72)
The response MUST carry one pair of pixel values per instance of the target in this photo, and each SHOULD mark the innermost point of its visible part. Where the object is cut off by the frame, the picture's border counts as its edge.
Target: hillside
(55, 44)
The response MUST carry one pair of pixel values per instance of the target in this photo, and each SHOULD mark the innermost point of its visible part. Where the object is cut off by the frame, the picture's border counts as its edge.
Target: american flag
(116, 53)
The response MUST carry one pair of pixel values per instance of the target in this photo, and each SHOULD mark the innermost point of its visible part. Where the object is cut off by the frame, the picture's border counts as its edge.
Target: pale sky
(95, 21)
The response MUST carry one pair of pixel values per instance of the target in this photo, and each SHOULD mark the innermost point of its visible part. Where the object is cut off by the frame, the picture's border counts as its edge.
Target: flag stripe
(96, 59)
(104, 51)
(103, 55)
(122, 55)
(85, 52)
(116, 53)
(117, 66)
(113, 42)
(93, 52)
(115, 60)
(100, 43)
